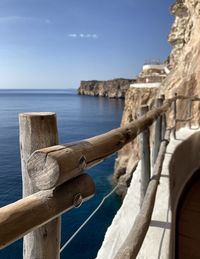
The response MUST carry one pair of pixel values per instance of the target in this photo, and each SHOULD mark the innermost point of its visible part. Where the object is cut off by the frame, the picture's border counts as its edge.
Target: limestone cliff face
(115, 88)
(185, 56)
(128, 156)
(184, 79)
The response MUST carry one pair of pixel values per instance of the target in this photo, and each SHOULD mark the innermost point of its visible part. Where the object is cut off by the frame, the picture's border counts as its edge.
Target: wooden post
(38, 130)
(164, 121)
(174, 116)
(145, 157)
(157, 131)
(189, 112)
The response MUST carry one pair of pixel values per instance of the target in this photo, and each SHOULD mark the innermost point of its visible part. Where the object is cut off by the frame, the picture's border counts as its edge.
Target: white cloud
(15, 19)
(83, 35)
(95, 36)
(72, 35)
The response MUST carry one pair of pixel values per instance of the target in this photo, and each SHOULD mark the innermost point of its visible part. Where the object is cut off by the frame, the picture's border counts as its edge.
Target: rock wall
(128, 156)
(115, 88)
(184, 79)
(185, 56)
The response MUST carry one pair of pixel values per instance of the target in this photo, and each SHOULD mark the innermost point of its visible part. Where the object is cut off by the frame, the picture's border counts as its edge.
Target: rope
(86, 221)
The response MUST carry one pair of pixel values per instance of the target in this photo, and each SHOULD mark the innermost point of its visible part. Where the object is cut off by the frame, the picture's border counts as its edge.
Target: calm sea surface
(78, 117)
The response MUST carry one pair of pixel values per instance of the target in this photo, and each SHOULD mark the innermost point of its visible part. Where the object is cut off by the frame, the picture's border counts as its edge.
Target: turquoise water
(78, 117)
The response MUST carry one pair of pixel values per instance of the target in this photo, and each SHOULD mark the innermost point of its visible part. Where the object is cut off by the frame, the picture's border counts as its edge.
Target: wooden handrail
(195, 99)
(184, 120)
(27, 214)
(56, 174)
(145, 156)
(60, 163)
(134, 240)
(192, 98)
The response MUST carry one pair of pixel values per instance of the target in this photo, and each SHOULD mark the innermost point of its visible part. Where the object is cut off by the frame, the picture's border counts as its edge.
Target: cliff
(184, 79)
(115, 88)
(128, 156)
(184, 58)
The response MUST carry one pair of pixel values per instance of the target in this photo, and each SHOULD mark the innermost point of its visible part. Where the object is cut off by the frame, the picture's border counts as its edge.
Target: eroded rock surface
(128, 156)
(184, 78)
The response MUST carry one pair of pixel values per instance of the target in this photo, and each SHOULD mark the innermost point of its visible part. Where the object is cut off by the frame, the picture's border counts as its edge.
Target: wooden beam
(38, 130)
(157, 132)
(63, 162)
(194, 99)
(184, 120)
(29, 213)
(189, 113)
(164, 121)
(175, 114)
(183, 97)
(133, 242)
(145, 157)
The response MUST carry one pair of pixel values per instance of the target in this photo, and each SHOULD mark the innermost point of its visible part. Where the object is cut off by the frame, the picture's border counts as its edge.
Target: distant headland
(115, 88)
(151, 76)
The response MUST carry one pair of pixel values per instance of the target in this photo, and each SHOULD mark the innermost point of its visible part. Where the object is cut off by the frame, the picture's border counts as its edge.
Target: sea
(78, 117)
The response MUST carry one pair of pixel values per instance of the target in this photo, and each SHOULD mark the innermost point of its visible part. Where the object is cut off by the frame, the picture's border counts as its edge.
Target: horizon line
(39, 88)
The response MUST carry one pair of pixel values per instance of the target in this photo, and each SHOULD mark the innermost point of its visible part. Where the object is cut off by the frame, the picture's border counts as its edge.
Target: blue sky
(58, 43)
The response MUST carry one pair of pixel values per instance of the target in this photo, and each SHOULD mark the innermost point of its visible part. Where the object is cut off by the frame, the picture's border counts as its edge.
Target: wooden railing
(134, 240)
(54, 178)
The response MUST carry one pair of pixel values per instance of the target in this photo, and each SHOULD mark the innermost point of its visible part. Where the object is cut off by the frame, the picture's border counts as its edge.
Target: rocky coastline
(115, 88)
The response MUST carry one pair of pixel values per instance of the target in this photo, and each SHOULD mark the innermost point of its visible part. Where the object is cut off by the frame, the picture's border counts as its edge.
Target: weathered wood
(189, 112)
(182, 97)
(184, 120)
(29, 213)
(38, 130)
(145, 157)
(157, 132)
(133, 242)
(164, 121)
(194, 99)
(174, 114)
(63, 162)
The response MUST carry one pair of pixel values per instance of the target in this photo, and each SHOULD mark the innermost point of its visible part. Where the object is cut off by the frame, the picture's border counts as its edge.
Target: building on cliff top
(153, 73)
